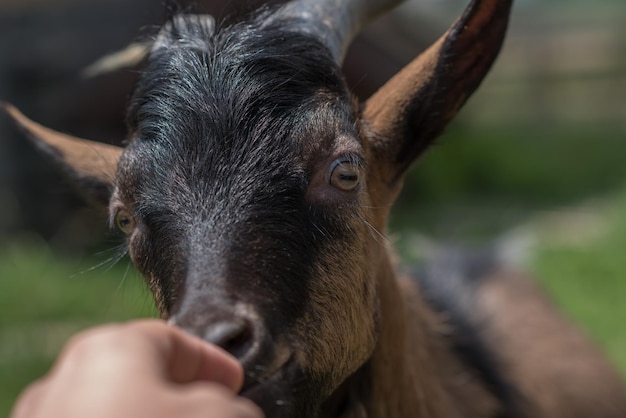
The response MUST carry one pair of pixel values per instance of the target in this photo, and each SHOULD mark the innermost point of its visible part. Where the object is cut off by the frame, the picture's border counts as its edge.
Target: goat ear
(413, 108)
(91, 165)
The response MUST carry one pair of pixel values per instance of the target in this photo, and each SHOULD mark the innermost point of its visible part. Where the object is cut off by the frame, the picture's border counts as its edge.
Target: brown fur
(561, 373)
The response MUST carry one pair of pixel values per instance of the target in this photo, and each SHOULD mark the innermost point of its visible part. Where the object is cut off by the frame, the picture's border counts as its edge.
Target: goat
(255, 191)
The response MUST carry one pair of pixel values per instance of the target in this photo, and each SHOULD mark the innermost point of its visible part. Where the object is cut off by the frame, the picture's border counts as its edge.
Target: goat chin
(283, 394)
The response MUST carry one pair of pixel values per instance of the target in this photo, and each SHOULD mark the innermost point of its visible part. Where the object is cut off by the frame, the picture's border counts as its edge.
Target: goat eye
(344, 174)
(124, 221)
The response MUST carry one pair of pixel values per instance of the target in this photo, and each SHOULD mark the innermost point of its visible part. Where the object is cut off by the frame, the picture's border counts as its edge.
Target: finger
(184, 358)
(29, 400)
(148, 347)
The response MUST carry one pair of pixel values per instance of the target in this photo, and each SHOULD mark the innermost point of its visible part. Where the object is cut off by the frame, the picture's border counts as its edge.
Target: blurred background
(536, 158)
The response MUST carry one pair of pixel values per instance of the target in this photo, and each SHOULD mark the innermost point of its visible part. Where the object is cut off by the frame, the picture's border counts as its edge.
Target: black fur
(219, 117)
(216, 174)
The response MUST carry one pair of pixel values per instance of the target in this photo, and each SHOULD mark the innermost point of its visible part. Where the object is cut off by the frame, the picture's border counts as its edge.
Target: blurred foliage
(478, 181)
(535, 163)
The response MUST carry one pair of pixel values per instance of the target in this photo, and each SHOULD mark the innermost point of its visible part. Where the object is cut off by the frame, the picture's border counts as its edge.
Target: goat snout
(234, 330)
(233, 335)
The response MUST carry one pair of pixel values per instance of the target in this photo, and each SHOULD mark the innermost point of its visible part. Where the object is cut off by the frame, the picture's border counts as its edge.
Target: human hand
(139, 369)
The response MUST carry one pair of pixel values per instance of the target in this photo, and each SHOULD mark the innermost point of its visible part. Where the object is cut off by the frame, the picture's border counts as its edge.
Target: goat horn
(130, 56)
(334, 22)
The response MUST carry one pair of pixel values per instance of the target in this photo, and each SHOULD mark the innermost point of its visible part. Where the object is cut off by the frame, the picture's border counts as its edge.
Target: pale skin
(138, 369)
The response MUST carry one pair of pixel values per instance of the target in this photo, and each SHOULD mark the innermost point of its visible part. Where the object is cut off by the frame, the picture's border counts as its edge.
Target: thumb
(184, 358)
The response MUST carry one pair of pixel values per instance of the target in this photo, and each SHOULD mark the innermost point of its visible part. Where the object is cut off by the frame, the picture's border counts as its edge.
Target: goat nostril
(234, 337)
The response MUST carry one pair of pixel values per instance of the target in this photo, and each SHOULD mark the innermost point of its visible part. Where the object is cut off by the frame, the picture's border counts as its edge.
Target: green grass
(44, 300)
(587, 278)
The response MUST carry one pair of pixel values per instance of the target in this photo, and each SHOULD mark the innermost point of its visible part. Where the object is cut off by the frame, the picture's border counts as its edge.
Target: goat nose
(233, 335)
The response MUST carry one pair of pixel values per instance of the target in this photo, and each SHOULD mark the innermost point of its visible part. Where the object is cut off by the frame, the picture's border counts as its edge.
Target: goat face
(244, 199)
(253, 188)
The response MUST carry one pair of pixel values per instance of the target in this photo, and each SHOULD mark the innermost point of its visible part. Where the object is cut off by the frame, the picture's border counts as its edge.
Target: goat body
(255, 191)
